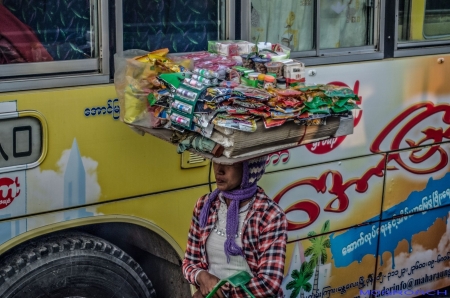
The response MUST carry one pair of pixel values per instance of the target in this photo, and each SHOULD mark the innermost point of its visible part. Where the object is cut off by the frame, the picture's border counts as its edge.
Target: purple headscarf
(252, 171)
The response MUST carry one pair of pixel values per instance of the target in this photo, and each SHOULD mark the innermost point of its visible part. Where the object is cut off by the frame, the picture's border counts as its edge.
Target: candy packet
(242, 125)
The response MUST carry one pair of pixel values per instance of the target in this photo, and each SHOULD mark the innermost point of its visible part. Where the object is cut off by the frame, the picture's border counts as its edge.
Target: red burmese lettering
(436, 135)
(308, 206)
(276, 156)
(9, 190)
(338, 188)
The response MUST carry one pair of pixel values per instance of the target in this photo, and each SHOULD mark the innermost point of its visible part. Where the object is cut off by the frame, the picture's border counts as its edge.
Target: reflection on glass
(424, 20)
(290, 24)
(45, 30)
(180, 25)
(437, 19)
(344, 23)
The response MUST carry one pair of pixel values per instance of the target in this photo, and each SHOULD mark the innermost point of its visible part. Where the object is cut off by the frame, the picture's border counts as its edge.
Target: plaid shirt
(264, 245)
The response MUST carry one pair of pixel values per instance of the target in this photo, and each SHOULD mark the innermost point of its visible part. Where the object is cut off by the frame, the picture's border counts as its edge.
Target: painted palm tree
(318, 251)
(300, 282)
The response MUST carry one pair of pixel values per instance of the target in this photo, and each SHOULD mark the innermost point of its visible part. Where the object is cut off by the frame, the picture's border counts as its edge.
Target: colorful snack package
(242, 125)
(217, 94)
(269, 122)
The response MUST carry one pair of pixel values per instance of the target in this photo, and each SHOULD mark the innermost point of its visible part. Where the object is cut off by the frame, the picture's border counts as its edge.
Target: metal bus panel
(417, 180)
(400, 99)
(334, 265)
(415, 257)
(345, 193)
(92, 156)
(168, 213)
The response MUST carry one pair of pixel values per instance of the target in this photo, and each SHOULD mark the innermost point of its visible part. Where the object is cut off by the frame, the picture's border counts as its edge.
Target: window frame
(419, 48)
(84, 72)
(330, 56)
(230, 19)
(41, 75)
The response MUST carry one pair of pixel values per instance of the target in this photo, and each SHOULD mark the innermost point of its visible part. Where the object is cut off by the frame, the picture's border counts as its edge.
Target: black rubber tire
(72, 264)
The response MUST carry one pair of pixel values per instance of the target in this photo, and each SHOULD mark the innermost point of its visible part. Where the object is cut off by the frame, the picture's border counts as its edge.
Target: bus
(89, 208)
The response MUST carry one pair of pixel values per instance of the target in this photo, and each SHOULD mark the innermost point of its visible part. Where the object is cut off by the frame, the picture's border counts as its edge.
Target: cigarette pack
(230, 47)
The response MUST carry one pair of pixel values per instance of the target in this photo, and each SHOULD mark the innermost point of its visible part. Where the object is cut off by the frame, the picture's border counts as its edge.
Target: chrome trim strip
(376, 30)
(246, 16)
(381, 16)
(422, 51)
(317, 41)
(423, 44)
(119, 26)
(103, 14)
(310, 53)
(341, 59)
(348, 50)
(9, 115)
(53, 82)
(231, 19)
(37, 68)
(397, 12)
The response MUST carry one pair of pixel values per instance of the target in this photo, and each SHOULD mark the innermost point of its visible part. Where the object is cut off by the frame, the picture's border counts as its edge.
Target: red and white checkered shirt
(263, 239)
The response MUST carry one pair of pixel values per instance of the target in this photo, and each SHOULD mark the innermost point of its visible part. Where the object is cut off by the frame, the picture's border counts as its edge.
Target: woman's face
(228, 177)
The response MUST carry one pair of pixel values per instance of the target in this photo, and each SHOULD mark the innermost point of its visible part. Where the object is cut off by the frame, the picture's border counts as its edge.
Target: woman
(237, 228)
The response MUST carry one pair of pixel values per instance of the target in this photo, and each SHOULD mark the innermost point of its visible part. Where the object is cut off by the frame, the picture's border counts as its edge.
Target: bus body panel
(399, 98)
(403, 250)
(171, 212)
(93, 157)
(355, 182)
(336, 192)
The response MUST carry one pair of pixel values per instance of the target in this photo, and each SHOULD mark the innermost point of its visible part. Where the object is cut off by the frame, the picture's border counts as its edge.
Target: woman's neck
(241, 204)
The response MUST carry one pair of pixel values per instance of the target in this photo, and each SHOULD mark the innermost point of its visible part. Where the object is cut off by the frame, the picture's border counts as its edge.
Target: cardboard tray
(241, 145)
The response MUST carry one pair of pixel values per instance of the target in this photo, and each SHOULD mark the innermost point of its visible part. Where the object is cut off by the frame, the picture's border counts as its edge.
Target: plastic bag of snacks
(137, 85)
(278, 53)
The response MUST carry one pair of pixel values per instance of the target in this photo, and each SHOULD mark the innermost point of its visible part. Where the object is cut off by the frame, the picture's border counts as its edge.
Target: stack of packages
(227, 105)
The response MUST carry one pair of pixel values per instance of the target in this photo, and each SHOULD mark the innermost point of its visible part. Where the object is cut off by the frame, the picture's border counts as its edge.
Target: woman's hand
(207, 282)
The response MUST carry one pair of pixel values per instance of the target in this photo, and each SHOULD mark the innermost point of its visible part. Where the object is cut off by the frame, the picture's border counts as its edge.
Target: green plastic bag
(239, 279)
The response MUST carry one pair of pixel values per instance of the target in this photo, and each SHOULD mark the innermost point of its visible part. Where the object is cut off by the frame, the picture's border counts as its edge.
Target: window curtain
(343, 23)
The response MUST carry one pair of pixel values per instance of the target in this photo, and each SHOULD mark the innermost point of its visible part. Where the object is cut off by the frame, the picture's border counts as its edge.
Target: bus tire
(72, 265)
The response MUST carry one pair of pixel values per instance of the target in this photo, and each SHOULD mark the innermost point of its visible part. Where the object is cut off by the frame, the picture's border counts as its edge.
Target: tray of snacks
(216, 107)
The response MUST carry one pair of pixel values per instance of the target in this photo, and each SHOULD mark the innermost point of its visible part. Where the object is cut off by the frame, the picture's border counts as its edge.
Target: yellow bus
(89, 208)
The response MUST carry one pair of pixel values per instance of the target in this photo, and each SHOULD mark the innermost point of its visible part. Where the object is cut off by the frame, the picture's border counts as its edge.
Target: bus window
(63, 28)
(181, 26)
(50, 37)
(290, 24)
(315, 28)
(17, 42)
(423, 21)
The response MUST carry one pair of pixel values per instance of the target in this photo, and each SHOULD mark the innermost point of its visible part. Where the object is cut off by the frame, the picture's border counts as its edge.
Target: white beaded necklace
(220, 226)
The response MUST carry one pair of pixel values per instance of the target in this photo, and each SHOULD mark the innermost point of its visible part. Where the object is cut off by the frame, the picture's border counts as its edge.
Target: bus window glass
(290, 24)
(423, 20)
(44, 30)
(181, 26)
(437, 19)
(343, 23)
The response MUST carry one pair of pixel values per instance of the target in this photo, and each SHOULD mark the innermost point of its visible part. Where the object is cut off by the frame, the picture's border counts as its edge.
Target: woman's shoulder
(266, 204)
(203, 199)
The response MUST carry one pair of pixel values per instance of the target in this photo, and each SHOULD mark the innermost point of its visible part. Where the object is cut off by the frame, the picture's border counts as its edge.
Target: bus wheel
(72, 264)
